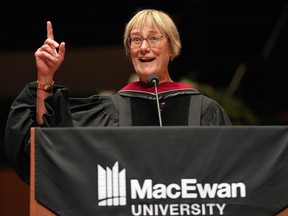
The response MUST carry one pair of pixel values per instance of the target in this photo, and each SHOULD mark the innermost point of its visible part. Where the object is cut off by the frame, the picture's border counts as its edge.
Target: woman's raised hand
(49, 57)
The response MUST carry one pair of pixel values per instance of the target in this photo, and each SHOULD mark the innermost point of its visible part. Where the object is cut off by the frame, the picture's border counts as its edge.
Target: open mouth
(146, 59)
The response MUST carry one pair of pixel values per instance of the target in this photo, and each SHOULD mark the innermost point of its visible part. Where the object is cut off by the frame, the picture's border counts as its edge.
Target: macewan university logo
(185, 197)
(111, 186)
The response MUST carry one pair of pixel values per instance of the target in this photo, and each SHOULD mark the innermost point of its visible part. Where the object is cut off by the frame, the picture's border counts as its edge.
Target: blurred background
(234, 51)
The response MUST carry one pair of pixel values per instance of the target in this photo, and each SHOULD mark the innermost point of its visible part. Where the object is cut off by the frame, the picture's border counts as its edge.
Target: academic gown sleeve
(62, 112)
(214, 115)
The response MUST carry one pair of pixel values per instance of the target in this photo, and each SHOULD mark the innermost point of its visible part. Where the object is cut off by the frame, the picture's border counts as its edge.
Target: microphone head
(153, 79)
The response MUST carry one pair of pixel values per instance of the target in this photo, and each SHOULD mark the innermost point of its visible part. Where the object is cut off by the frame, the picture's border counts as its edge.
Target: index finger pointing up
(50, 30)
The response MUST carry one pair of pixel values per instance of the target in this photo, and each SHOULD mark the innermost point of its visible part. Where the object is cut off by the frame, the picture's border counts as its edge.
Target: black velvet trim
(174, 112)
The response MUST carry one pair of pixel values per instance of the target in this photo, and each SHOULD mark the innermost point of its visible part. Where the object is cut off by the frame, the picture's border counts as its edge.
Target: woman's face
(150, 53)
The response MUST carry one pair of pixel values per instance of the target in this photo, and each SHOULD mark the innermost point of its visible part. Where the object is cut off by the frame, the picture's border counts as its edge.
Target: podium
(238, 170)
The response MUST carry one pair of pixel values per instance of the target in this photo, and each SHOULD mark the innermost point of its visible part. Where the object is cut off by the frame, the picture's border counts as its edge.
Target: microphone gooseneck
(153, 80)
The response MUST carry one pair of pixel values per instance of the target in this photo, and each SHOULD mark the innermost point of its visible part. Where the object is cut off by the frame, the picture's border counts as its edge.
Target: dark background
(217, 38)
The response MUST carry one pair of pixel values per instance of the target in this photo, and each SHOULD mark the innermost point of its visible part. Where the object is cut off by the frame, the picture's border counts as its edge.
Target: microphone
(153, 80)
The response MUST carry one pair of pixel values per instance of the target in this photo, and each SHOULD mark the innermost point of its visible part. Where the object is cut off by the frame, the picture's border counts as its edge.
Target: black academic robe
(133, 105)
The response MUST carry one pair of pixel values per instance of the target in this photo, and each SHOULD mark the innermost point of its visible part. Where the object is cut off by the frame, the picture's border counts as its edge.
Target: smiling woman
(43, 103)
(217, 37)
(151, 41)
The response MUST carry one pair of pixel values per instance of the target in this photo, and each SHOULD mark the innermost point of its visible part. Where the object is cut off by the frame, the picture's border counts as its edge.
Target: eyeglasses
(154, 40)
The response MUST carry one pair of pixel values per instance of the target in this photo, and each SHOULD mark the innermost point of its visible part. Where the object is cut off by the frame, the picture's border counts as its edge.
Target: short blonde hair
(159, 20)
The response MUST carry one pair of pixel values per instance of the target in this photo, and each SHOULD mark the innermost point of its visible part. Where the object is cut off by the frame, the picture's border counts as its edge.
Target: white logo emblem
(111, 186)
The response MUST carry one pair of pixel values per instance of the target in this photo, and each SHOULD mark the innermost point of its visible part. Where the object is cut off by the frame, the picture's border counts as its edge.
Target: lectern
(239, 170)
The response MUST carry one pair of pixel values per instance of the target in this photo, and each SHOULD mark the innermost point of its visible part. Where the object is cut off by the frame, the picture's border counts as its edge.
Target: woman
(151, 40)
